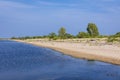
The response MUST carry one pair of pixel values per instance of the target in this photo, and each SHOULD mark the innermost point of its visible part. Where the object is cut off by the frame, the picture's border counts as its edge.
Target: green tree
(117, 34)
(13, 38)
(115, 37)
(92, 30)
(82, 35)
(69, 35)
(62, 33)
(52, 35)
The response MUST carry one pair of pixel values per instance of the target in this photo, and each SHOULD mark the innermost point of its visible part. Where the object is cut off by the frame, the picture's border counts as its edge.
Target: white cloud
(90, 6)
(11, 4)
(103, 0)
(19, 15)
(47, 3)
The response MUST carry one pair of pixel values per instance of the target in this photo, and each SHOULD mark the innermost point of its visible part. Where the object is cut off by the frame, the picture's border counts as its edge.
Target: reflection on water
(19, 61)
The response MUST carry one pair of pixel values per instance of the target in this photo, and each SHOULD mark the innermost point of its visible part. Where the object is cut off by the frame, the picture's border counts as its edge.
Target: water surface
(20, 61)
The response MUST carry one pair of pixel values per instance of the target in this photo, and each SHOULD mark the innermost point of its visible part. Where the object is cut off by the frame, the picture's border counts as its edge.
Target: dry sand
(106, 53)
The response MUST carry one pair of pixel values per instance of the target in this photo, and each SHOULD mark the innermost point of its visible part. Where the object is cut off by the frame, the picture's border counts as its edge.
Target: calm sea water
(19, 61)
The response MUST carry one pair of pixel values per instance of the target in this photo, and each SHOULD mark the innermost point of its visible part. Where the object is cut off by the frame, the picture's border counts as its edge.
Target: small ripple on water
(19, 61)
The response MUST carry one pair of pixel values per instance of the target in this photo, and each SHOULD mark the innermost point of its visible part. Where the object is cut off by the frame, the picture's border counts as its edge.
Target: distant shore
(85, 49)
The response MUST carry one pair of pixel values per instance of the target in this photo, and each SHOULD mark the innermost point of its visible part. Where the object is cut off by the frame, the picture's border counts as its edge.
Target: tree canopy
(92, 30)
(62, 33)
(117, 34)
(52, 35)
(82, 35)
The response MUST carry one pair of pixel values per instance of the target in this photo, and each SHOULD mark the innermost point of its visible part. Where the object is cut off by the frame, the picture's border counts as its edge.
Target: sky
(40, 17)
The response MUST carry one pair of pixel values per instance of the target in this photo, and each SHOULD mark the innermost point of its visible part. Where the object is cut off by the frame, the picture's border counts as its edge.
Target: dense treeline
(92, 32)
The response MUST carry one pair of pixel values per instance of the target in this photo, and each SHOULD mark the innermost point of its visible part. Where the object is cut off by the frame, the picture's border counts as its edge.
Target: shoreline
(81, 51)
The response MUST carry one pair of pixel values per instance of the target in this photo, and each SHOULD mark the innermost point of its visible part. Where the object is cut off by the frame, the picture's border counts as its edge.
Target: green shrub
(112, 39)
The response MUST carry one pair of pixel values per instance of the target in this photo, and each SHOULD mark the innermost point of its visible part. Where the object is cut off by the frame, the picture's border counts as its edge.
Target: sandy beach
(104, 52)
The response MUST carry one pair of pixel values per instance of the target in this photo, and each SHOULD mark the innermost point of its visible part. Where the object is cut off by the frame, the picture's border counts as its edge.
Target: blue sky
(40, 17)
